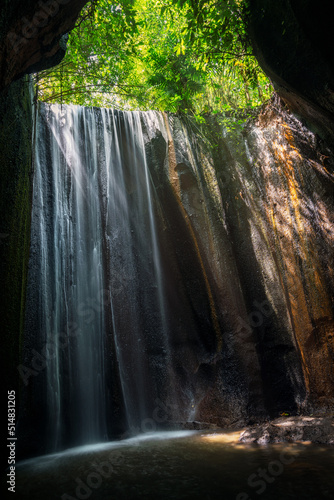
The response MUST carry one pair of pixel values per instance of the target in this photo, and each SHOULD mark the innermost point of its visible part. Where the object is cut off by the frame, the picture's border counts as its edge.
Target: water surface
(181, 465)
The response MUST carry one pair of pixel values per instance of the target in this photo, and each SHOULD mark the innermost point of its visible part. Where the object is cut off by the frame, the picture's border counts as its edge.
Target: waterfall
(97, 273)
(158, 292)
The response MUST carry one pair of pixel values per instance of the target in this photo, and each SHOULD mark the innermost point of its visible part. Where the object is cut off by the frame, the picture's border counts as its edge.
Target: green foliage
(99, 60)
(171, 55)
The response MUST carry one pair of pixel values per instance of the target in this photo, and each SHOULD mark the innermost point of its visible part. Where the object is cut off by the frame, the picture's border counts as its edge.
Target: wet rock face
(31, 35)
(257, 218)
(292, 42)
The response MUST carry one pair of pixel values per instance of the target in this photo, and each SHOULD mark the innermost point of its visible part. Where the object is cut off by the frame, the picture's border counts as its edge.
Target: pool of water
(180, 465)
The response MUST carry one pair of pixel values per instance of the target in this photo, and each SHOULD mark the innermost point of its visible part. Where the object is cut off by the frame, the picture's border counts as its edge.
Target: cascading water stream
(96, 261)
(70, 276)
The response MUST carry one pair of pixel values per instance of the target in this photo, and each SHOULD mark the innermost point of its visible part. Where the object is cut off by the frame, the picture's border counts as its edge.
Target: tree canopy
(171, 55)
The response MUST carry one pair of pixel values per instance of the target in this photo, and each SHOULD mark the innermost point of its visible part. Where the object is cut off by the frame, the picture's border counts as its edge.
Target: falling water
(96, 262)
(67, 222)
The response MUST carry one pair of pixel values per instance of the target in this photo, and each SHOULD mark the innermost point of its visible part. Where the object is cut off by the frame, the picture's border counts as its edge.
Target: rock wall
(15, 207)
(258, 211)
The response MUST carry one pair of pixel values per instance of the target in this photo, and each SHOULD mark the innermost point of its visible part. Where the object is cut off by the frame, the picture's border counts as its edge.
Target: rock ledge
(292, 429)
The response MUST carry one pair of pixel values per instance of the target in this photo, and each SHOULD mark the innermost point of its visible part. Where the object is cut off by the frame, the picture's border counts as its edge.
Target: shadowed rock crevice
(292, 41)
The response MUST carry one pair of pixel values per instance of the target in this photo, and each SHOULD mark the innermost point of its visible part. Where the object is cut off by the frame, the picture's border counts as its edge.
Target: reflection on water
(181, 465)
